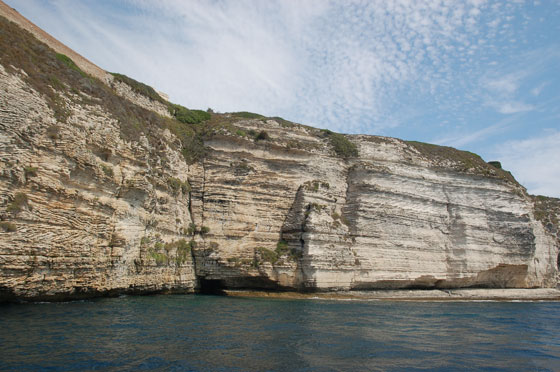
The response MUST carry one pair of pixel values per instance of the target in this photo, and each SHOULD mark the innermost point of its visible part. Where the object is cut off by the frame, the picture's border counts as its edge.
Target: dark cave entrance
(212, 286)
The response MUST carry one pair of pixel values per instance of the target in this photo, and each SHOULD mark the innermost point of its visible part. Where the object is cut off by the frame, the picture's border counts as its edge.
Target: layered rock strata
(87, 208)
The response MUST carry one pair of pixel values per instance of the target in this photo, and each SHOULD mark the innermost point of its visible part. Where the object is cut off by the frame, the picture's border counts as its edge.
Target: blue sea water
(213, 333)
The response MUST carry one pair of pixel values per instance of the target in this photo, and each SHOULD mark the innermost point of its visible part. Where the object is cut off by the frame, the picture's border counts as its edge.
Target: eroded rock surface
(92, 202)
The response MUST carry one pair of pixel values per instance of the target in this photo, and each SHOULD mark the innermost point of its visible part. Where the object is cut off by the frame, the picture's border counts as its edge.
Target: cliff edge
(106, 188)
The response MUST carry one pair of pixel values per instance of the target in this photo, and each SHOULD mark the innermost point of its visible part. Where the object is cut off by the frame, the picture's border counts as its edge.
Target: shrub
(283, 123)
(108, 170)
(186, 116)
(20, 199)
(294, 144)
(8, 226)
(182, 249)
(56, 83)
(342, 146)
(160, 258)
(193, 149)
(176, 184)
(191, 230)
(69, 63)
(267, 254)
(495, 164)
(247, 115)
(315, 184)
(282, 247)
(242, 168)
(262, 136)
(138, 87)
(204, 230)
(53, 132)
(30, 171)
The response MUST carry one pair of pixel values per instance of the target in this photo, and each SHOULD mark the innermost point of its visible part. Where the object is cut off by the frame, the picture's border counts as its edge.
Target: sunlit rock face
(388, 219)
(91, 206)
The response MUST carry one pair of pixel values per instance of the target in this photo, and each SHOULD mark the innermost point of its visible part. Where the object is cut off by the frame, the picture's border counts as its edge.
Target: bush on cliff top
(68, 62)
(186, 116)
(139, 87)
(247, 115)
(340, 144)
(464, 160)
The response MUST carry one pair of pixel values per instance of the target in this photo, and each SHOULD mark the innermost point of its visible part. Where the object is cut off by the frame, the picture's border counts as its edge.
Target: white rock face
(87, 209)
(95, 212)
(388, 219)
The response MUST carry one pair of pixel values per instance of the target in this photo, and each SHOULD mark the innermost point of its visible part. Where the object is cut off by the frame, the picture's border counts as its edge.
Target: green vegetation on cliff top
(55, 75)
(139, 87)
(463, 161)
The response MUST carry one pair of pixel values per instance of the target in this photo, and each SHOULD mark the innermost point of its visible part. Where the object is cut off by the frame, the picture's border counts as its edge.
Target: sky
(481, 76)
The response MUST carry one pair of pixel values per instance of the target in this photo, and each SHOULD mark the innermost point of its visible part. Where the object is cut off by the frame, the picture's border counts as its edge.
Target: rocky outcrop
(96, 197)
(83, 210)
(388, 219)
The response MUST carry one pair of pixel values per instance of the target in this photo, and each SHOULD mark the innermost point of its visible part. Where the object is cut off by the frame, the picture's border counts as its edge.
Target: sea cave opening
(211, 286)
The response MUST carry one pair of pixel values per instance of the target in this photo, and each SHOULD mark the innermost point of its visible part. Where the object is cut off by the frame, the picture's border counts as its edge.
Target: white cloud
(536, 91)
(502, 92)
(462, 139)
(505, 85)
(534, 162)
(512, 107)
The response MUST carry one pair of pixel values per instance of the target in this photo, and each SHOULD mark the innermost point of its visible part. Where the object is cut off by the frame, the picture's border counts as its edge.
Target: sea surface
(213, 333)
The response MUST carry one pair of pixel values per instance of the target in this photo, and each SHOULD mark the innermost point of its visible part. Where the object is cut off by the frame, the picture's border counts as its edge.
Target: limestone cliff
(105, 187)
